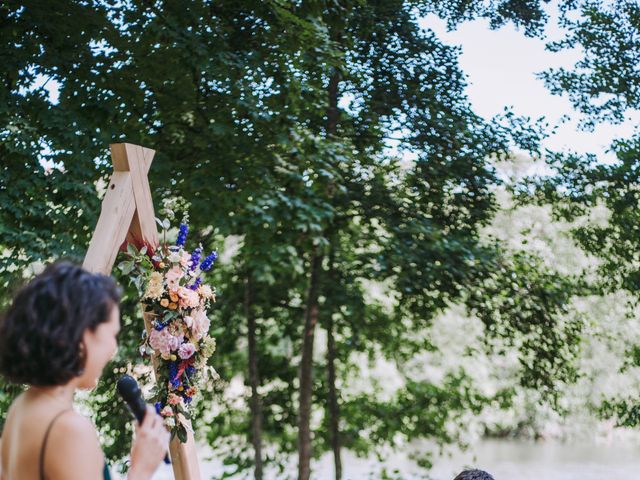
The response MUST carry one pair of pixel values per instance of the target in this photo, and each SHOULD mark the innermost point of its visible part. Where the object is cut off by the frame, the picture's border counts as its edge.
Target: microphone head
(128, 388)
(130, 392)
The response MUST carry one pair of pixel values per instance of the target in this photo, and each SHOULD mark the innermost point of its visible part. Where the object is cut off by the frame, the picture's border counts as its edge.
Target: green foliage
(600, 197)
(274, 120)
(522, 302)
(604, 84)
(417, 408)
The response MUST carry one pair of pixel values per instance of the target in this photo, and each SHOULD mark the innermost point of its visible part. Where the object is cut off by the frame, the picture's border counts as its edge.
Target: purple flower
(173, 374)
(158, 407)
(173, 370)
(196, 255)
(182, 235)
(208, 262)
(159, 326)
(190, 370)
(196, 284)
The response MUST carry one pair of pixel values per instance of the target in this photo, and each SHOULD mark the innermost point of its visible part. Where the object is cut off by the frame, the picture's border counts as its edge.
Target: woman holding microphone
(56, 337)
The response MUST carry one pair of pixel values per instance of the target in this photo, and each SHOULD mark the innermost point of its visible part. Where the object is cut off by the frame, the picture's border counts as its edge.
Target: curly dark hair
(473, 475)
(41, 332)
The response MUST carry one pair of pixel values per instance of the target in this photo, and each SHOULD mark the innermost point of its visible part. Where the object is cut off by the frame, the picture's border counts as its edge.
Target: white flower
(205, 291)
(174, 257)
(155, 290)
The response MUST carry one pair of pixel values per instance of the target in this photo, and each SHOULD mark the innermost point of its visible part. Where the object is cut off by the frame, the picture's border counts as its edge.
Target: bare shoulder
(73, 449)
(73, 422)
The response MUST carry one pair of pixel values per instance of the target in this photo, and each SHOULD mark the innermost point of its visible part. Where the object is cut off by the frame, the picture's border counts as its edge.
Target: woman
(56, 337)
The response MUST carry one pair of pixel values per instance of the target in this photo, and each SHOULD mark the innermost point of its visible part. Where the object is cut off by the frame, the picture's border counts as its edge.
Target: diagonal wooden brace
(127, 214)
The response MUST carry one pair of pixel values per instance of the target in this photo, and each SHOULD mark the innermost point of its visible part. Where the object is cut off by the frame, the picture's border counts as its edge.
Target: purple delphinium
(160, 326)
(173, 371)
(158, 406)
(207, 263)
(190, 370)
(196, 284)
(196, 255)
(182, 235)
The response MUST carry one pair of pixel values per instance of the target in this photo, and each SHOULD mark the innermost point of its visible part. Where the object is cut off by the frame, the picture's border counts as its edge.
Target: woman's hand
(149, 447)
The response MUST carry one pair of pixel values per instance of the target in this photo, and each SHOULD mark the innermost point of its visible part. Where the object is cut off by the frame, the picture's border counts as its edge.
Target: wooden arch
(127, 214)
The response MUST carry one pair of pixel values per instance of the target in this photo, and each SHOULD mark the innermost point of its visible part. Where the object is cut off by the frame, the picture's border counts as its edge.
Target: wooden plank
(184, 459)
(119, 157)
(144, 226)
(118, 207)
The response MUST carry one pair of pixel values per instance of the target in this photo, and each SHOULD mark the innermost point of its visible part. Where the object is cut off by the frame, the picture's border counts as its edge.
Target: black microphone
(130, 392)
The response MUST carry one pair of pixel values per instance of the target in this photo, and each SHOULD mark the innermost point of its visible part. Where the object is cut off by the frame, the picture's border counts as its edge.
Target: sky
(501, 66)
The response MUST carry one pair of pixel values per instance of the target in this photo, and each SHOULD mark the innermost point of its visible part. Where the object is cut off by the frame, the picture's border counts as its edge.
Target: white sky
(501, 66)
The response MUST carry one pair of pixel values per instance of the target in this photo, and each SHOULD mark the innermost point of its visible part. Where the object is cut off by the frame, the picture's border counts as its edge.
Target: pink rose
(174, 399)
(166, 411)
(185, 259)
(162, 341)
(188, 298)
(200, 324)
(186, 350)
(173, 275)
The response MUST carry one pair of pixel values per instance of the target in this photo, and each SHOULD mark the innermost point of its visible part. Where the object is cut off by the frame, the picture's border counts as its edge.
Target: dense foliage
(328, 151)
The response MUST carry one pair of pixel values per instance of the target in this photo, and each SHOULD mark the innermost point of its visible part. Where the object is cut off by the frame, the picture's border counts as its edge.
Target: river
(505, 459)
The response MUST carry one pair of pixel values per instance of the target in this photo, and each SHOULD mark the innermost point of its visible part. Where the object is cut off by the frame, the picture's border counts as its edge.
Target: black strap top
(44, 442)
(106, 473)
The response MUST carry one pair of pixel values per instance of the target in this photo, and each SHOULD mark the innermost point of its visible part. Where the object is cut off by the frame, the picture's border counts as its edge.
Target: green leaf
(182, 434)
(132, 250)
(169, 314)
(126, 267)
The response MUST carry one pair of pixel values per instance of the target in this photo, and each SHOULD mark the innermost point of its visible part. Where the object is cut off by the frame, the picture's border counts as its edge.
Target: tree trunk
(332, 110)
(311, 316)
(306, 370)
(254, 379)
(334, 408)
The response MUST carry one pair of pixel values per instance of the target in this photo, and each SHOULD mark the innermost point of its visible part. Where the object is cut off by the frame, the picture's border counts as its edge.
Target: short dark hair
(41, 332)
(474, 475)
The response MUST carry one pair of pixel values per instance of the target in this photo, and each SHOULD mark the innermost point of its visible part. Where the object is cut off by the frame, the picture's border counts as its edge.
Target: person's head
(474, 475)
(60, 327)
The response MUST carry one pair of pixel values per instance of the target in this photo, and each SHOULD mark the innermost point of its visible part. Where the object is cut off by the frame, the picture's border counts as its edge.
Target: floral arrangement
(169, 280)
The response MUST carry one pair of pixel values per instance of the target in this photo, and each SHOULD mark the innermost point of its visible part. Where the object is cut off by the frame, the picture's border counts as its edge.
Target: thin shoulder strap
(44, 442)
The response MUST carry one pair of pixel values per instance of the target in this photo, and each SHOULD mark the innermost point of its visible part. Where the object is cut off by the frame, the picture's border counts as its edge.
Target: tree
(603, 86)
(252, 127)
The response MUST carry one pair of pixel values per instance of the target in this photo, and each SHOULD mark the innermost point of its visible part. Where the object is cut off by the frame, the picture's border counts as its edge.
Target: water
(504, 459)
(551, 460)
